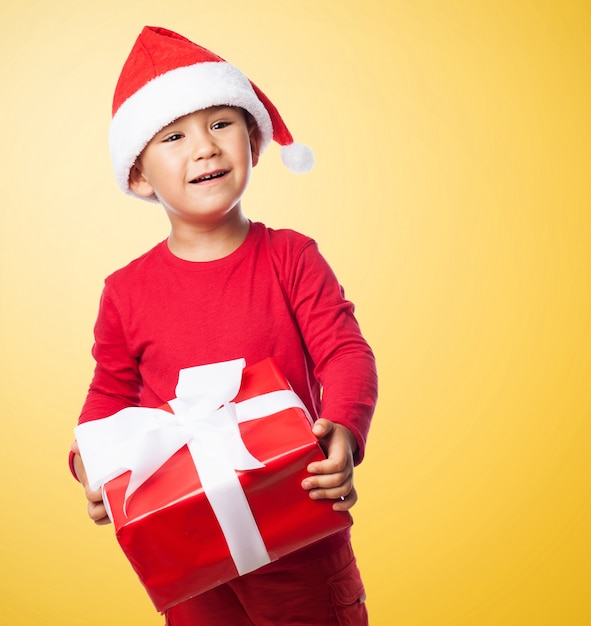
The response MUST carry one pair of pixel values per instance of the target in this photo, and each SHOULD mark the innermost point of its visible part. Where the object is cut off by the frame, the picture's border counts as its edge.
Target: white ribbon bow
(204, 418)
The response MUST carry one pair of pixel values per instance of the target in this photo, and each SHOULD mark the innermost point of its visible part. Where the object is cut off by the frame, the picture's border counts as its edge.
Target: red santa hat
(167, 76)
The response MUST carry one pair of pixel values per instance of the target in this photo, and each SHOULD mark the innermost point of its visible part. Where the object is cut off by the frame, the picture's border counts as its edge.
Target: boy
(187, 129)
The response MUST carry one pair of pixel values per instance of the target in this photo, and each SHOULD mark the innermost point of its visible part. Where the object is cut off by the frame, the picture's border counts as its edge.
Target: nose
(203, 145)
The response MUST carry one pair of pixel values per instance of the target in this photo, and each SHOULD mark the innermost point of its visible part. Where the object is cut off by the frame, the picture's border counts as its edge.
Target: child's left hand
(333, 477)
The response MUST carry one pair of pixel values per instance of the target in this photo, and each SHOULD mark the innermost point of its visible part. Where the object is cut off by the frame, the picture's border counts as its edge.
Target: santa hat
(167, 76)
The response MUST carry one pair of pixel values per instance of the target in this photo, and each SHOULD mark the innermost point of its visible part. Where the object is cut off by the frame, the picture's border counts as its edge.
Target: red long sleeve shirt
(273, 296)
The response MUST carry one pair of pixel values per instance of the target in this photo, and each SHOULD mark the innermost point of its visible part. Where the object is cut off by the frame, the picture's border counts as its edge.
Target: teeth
(208, 177)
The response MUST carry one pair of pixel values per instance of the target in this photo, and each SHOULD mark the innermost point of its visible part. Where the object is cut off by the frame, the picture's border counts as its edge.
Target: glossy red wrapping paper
(169, 531)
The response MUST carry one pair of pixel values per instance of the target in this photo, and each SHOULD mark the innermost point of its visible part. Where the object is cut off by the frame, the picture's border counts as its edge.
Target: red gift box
(169, 531)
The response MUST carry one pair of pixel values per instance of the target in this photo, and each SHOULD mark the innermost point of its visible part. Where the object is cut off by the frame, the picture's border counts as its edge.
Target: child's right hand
(96, 507)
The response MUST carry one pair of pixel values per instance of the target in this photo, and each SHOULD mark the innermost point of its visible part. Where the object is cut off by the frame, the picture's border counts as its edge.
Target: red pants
(326, 592)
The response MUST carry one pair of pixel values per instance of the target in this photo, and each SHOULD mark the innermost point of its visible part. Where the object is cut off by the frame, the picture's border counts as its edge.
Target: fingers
(325, 431)
(342, 492)
(332, 486)
(338, 444)
(345, 503)
(98, 513)
(338, 462)
(322, 427)
(334, 475)
(79, 465)
(96, 508)
(332, 478)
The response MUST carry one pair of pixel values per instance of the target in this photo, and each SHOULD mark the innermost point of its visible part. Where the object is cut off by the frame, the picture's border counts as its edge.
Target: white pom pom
(297, 158)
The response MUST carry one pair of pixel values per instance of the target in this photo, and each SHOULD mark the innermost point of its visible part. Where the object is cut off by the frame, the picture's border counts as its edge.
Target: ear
(254, 135)
(138, 183)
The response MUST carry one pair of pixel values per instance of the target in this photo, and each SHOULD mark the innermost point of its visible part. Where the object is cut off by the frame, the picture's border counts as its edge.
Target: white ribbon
(204, 418)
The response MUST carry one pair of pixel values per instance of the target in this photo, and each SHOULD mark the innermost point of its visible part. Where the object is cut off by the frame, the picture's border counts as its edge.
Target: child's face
(199, 166)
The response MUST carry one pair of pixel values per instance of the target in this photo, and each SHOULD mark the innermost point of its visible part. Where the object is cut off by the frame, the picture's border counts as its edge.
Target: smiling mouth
(208, 177)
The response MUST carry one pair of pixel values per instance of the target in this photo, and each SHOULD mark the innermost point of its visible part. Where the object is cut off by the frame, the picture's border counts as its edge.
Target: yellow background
(452, 197)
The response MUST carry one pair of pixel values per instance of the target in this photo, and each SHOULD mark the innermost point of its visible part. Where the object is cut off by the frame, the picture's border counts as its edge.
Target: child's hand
(96, 508)
(333, 478)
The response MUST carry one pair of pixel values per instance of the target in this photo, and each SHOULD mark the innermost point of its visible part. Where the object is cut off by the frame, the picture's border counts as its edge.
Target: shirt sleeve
(116, 383)
(344, 363)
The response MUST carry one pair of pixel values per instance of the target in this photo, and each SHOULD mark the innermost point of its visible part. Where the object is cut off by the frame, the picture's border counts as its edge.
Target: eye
(220, 125)
(173, 137)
